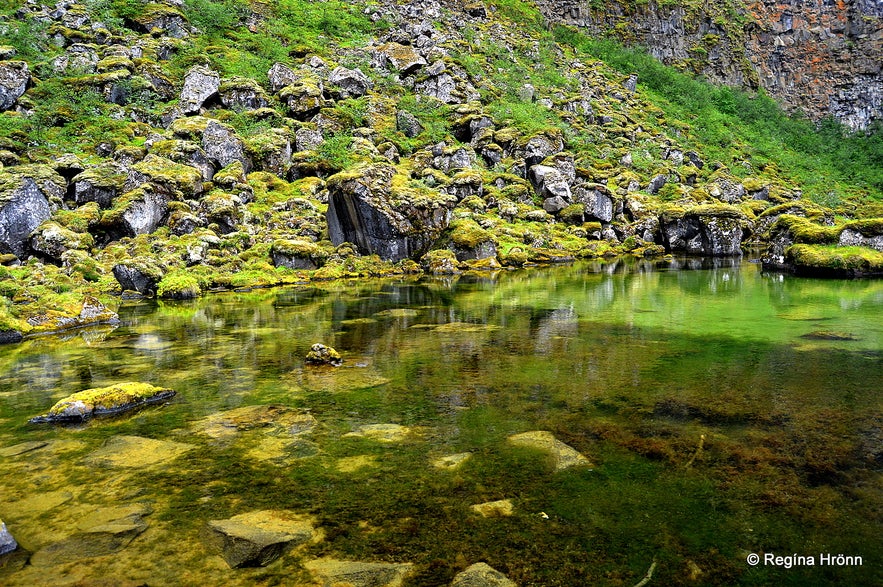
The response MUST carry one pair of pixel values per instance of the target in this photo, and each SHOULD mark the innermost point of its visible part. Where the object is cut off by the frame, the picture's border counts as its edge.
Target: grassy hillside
(104, 98)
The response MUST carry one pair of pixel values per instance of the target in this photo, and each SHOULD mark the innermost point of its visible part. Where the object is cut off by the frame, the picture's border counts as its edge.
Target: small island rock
(323, 355)
(104, 400)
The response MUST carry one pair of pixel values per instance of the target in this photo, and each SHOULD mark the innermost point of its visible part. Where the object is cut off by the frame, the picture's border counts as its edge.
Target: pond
(718, 412)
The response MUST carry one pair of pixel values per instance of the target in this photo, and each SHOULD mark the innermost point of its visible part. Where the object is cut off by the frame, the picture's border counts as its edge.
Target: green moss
(180, 285)
(467, 233)
(849, 260)
(806, 231)
(171, 175)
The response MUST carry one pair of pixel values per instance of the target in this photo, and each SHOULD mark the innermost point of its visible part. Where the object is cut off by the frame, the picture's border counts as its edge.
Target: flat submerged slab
(563, 455)
(132, 452)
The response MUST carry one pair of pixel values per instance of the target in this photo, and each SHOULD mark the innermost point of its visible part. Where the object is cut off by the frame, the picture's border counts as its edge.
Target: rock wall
(822, 57)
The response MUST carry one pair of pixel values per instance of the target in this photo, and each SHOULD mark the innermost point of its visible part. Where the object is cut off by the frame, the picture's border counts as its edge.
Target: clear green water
(629, 363)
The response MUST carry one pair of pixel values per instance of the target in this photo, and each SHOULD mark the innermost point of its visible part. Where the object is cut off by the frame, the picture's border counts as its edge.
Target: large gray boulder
(142, 212)
(380, 216)
(351, 83)
(223, 146)
(23, 207)
(200, 84)
(102, 184)
(597, 203)
(14, 77)
(280, 75)
(705, 230)
(138, 275)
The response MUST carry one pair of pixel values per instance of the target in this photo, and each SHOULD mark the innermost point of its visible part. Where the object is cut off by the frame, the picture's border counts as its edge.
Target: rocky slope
(171, 149)
(824, 58)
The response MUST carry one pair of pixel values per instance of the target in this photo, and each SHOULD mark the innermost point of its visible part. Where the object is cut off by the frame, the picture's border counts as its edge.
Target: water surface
(726, 412)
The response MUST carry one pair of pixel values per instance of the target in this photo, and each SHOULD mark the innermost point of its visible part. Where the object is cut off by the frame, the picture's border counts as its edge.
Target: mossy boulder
(323, 355)
(101, 184)
(470, 241)
(384, 212)
(52, 240)
(834, 261)
(179, 285)
(716, 230)
(139, 211)
(304, 98)
(440, 262)
(14, 79)
(200, 85)
(23, 207)
(141, 275)
(297, 254)
(168, 177)
(240, 93)
(100, 401)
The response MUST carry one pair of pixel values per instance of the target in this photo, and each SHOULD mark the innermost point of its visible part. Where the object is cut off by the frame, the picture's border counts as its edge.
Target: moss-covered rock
(385, 212)
(100, 401)
(834, 261)
(179, 285)
(323, 355)
(297, 254)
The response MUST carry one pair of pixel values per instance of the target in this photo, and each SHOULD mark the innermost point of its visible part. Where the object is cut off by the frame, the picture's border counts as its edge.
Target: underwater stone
(255, 539)
(489, 509)
(359, 574)
(481, 575)
(564, 456)
(7, 542)
(133, 452)
(99, 540)
(323, 355)
(99, 401)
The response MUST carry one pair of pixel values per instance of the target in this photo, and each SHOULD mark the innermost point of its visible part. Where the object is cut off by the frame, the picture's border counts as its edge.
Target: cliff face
(824, 57)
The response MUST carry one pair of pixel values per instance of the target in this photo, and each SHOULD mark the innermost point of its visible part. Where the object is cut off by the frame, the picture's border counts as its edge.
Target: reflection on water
(724, 412)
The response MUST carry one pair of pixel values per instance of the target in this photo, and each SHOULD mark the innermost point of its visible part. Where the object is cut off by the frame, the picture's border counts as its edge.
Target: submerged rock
(323, 355)
(358, 574)
(226, 425)
(381, 432)
(256, 539)
(7, 542)
(563, 456)
(100, 401)
(131, 452)
(451, 462)
(489, 509)
(481, 575)
(107, 536)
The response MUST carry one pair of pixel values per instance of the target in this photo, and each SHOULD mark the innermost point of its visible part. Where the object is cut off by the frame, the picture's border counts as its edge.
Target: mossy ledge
(103, 401)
